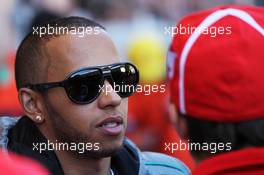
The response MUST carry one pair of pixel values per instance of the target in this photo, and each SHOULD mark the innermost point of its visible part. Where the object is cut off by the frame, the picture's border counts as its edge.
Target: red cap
(219, 76)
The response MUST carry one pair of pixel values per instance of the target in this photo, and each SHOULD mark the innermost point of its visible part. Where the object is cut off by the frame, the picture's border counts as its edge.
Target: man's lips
(111, 126)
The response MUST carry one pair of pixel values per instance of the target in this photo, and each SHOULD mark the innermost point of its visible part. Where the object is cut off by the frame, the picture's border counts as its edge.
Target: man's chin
(110, 147)
(103, 152)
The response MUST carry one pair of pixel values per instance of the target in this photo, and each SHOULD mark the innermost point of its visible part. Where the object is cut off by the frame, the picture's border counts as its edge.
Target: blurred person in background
(148, 121)
(27, 13)
(6, 31)
(216, 85)
(12, 164)
(9, 103)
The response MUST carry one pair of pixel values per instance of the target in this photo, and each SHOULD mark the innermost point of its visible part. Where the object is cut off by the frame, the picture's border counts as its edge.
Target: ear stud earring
(38, 118)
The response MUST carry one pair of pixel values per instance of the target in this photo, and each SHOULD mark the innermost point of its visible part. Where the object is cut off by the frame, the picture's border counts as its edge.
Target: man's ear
(31, 104)
(179, 121)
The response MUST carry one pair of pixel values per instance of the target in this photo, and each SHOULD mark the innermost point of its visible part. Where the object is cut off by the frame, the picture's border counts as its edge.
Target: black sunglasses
(84, 86)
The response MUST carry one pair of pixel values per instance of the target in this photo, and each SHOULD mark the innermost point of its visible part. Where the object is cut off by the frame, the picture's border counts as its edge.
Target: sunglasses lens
(126, 78)
(84, 87)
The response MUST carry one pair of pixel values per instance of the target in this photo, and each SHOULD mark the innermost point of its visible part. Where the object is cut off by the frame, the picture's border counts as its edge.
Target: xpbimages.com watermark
(60, 146)
(206, 147)
(188, 30)
(146, 89)
(62, 30)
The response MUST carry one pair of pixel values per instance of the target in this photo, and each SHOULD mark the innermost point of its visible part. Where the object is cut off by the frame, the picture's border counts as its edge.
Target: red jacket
(248, 161)
(12, 164)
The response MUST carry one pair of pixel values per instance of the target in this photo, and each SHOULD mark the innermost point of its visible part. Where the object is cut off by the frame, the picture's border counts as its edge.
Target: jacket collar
(24, 134)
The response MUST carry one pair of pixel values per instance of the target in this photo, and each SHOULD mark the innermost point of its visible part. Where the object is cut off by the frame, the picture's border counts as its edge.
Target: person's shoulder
(152, 163)
(6, 123)
(157, 163)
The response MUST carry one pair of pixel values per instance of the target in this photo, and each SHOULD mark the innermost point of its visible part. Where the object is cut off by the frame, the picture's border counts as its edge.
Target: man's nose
(108, 97)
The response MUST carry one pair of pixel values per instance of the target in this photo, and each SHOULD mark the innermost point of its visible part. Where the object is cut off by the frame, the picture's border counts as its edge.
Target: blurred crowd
(123, 19)
(137, 28)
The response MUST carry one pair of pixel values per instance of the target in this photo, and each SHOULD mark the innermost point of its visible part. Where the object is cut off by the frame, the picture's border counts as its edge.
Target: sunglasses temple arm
(46, 86)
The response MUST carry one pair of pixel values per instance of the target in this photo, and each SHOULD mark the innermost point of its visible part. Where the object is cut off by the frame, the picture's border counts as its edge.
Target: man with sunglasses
(73, 90)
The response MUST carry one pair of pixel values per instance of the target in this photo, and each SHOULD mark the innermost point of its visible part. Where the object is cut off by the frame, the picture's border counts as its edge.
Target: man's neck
(72, 165)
